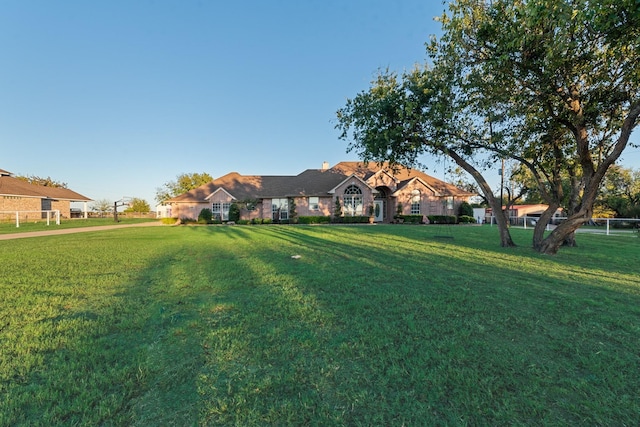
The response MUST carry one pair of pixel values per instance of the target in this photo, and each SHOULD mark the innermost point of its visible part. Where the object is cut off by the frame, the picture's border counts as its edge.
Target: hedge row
(314, 219)
(443, 219)
(358, 219)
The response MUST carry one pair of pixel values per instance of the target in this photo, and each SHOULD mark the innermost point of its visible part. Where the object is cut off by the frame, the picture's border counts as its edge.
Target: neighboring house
(357, 187)
(517, 213)
(163, 211)
(18, 195)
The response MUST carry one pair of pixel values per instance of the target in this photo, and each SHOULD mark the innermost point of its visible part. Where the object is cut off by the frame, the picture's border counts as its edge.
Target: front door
(379, 209)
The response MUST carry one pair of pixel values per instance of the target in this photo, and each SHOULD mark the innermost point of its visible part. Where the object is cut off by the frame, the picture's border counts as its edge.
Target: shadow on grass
(363, 330)
(223, 327)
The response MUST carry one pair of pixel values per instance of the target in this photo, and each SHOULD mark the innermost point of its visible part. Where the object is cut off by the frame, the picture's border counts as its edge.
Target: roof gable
(347, 179)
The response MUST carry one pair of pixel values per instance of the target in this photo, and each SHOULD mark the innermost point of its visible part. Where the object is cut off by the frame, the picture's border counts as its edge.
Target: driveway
(75, 230)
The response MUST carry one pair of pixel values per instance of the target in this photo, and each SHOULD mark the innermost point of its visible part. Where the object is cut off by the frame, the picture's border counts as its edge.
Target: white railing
(606, 226)
(24, 216)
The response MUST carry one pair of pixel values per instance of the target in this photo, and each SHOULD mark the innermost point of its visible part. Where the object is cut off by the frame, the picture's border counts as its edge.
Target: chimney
(325, 166)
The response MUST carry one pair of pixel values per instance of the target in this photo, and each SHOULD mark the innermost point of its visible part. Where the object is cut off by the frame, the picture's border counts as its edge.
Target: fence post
(57, 217)
(17, 219)
(607, 226)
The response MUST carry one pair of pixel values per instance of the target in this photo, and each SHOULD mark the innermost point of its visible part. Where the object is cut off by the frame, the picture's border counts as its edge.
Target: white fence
(30, 216)
(605, 226)
(612, 225)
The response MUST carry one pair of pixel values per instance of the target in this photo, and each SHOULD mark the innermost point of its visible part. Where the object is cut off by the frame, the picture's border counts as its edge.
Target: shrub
(234, 212)
(337, 210)
(466, 219)
(293, 214)
(314, 219)
(443, 219)
(410, 219)
(243, 222)
(267, 221)
(169, 221)
(465, 209)
(256, 221)
(357, 219)
(205, 216)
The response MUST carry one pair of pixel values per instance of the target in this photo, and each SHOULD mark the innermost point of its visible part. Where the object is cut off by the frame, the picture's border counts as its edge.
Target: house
(17, 195)
(357, 186)
(526, 214)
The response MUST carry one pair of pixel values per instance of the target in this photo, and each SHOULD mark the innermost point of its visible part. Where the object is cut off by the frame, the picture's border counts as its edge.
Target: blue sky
(115, 98)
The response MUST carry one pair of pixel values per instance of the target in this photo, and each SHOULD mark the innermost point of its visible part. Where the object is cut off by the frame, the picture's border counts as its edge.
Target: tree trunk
(570, 240)
(564, 233)
(496, 205)
(541, 225)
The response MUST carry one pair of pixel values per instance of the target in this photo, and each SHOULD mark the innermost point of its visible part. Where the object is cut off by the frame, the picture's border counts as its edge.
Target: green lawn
(372, 325)
(9, 227)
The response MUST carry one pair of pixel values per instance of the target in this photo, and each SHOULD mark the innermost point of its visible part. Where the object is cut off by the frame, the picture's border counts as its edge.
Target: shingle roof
(10, 186)
(403, 175)
(311, 182)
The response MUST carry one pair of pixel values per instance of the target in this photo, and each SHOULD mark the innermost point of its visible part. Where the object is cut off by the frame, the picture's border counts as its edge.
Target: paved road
(74, 230)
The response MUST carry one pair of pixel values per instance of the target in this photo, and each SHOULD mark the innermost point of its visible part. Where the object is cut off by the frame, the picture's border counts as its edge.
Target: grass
(9, 227)
(382, 325)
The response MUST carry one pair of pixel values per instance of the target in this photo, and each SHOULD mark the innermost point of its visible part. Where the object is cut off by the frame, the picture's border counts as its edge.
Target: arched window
(353, 200)
(415, 202)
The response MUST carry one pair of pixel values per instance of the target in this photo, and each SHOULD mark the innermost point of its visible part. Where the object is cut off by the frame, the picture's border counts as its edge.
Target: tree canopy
(183, 183)
(620, 192)
(138, 205)
(45, 182)
(551, 84)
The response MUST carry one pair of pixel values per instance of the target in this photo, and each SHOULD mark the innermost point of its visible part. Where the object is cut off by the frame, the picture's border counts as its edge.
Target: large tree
(183, 183)
(398, 119)
(551, 84)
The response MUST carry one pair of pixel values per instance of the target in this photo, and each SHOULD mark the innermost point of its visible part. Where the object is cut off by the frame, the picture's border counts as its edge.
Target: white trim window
(314, 204)
(220, 211)
(353, 200)
(279, 209)
(450, 202)
(415, 202)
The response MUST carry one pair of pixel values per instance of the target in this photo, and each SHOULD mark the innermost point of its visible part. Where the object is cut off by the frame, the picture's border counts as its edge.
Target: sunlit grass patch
(384, 325)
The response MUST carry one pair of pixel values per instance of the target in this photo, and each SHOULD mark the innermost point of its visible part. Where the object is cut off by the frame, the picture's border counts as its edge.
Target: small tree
(102, 207)
(399, 209)
(205, 216)
(138, 205)
(337, 210)
(465, 209)
(234, 212)
(293, 214)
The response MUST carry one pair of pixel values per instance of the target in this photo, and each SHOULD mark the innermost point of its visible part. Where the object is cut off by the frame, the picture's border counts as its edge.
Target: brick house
(18, 195)
(356, 185)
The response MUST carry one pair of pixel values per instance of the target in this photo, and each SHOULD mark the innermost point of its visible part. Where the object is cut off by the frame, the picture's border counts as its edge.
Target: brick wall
(15, 203)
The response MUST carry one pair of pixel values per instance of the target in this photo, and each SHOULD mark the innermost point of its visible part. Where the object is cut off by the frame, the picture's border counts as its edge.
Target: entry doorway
(379, 209)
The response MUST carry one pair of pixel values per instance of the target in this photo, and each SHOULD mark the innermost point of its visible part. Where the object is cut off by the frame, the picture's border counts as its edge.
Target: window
(415, 202)
(220, 211)
(279, 209)
(450, 203)
(353, 200)
(313, 204)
